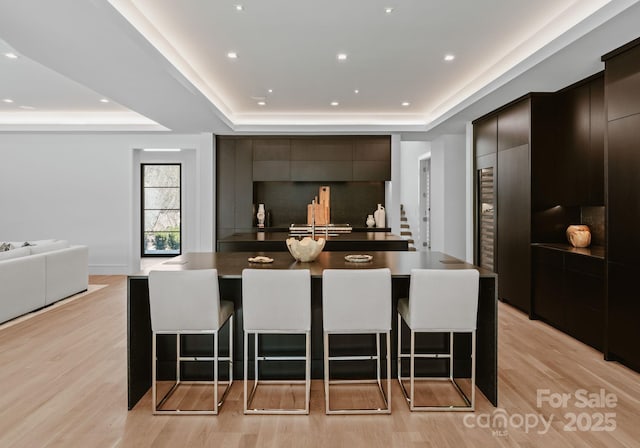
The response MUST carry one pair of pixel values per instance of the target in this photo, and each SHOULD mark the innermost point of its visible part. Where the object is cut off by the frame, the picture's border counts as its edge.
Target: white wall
(449, 195)
(410, 154)
(80, 187)
(437, 195)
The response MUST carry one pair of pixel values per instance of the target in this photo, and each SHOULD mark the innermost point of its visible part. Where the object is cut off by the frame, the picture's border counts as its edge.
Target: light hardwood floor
(63, 384)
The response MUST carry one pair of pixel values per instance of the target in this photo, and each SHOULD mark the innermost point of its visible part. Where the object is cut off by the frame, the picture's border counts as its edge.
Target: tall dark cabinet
(622, 93)
(501, 141)
(543, 158)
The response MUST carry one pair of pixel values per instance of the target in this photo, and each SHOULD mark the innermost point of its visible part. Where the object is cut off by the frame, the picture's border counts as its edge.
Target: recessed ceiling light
(104, 100)
(11, 55)
(262, 103)
(232, 55)
(239, 8)
(27, 107)
(335, 103)
(356, 91)
(406, 103)
(388, 9)
(7, 100)
(342, 56)
(270, 91)
(449, 57)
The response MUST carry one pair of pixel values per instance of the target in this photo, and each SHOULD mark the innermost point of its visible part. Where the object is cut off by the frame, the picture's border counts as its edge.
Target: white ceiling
(163, 64)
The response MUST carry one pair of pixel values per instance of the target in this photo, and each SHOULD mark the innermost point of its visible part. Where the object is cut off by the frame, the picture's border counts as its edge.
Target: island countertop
(275, 241)
(231, 264)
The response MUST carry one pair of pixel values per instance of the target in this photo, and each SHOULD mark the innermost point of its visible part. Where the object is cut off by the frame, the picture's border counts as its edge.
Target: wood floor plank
(63, 384)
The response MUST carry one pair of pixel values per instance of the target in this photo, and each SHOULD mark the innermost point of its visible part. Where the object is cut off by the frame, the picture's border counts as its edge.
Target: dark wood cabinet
(271, 159)
(596, 156)
(501, 142)
(623, 312)
(547, 286)
(550, 162)
(322, 159)
(514, 125)
(241, 161)
(622, 99)
(514, 220)
(321, 170)
(485, 136)
(234, 186)
(623, 82)
(624, 193)
(568, 293)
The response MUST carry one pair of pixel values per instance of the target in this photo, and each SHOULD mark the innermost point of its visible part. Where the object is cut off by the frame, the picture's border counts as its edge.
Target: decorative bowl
(305, 250)
(579, 235)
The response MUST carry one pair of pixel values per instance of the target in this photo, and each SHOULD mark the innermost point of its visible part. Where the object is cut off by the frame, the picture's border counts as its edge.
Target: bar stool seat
(275, 301)
(440, 301)
(357, 301)
(188, 303)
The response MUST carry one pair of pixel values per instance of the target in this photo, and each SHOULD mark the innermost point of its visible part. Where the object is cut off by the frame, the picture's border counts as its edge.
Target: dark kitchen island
(230, 266)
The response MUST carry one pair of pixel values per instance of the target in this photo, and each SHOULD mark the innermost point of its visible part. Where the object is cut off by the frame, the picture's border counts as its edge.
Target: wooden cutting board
(322, 214)
(325, 199)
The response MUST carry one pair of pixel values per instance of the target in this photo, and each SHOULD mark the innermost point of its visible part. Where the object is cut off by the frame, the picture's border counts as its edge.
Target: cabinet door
(308, 149)
(514, 124)
(596, 144)
(514, 218)
(575, 173)
(324, 160)
(243, 186)
(372, 158)
(622, 77)
(547, 286)
(584, 294)
(271, 159)
(485, 136)
(225, 179)
(623, 205)
(623, 314)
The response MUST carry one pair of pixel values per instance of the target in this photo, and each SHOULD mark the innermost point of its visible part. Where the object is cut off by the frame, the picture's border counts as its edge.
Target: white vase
(260, 215)
(370, 221)
(380, 216)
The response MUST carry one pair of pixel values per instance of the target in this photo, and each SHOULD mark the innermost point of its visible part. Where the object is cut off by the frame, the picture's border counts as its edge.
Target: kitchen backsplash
(594, 218)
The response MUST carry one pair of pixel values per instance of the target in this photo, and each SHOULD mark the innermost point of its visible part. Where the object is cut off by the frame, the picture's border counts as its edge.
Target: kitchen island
(230, 266)
(275, 242)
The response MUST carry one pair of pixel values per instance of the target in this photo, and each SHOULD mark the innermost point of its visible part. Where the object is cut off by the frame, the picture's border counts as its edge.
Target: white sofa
(40, 274)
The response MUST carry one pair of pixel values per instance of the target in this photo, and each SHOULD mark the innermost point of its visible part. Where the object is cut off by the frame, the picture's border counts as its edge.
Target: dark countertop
(282, 236)
(591, 251)
(353, 229)
(357, 242)
(231, 264)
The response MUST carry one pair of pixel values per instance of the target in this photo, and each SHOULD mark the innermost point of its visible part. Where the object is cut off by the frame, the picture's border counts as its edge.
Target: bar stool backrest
(443, 299)
(356, 299)
(184, 300)
(276, 300)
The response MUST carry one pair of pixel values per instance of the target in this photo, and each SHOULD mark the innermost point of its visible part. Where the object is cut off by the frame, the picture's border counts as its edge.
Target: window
(161, 209)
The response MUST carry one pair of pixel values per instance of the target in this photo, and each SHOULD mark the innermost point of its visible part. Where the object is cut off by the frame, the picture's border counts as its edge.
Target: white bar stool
(357, 302)
(440, 301)
(276, 301)
(187, 303)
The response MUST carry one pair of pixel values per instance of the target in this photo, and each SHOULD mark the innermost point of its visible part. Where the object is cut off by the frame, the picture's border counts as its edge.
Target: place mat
(260, 259)
(356, 258)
